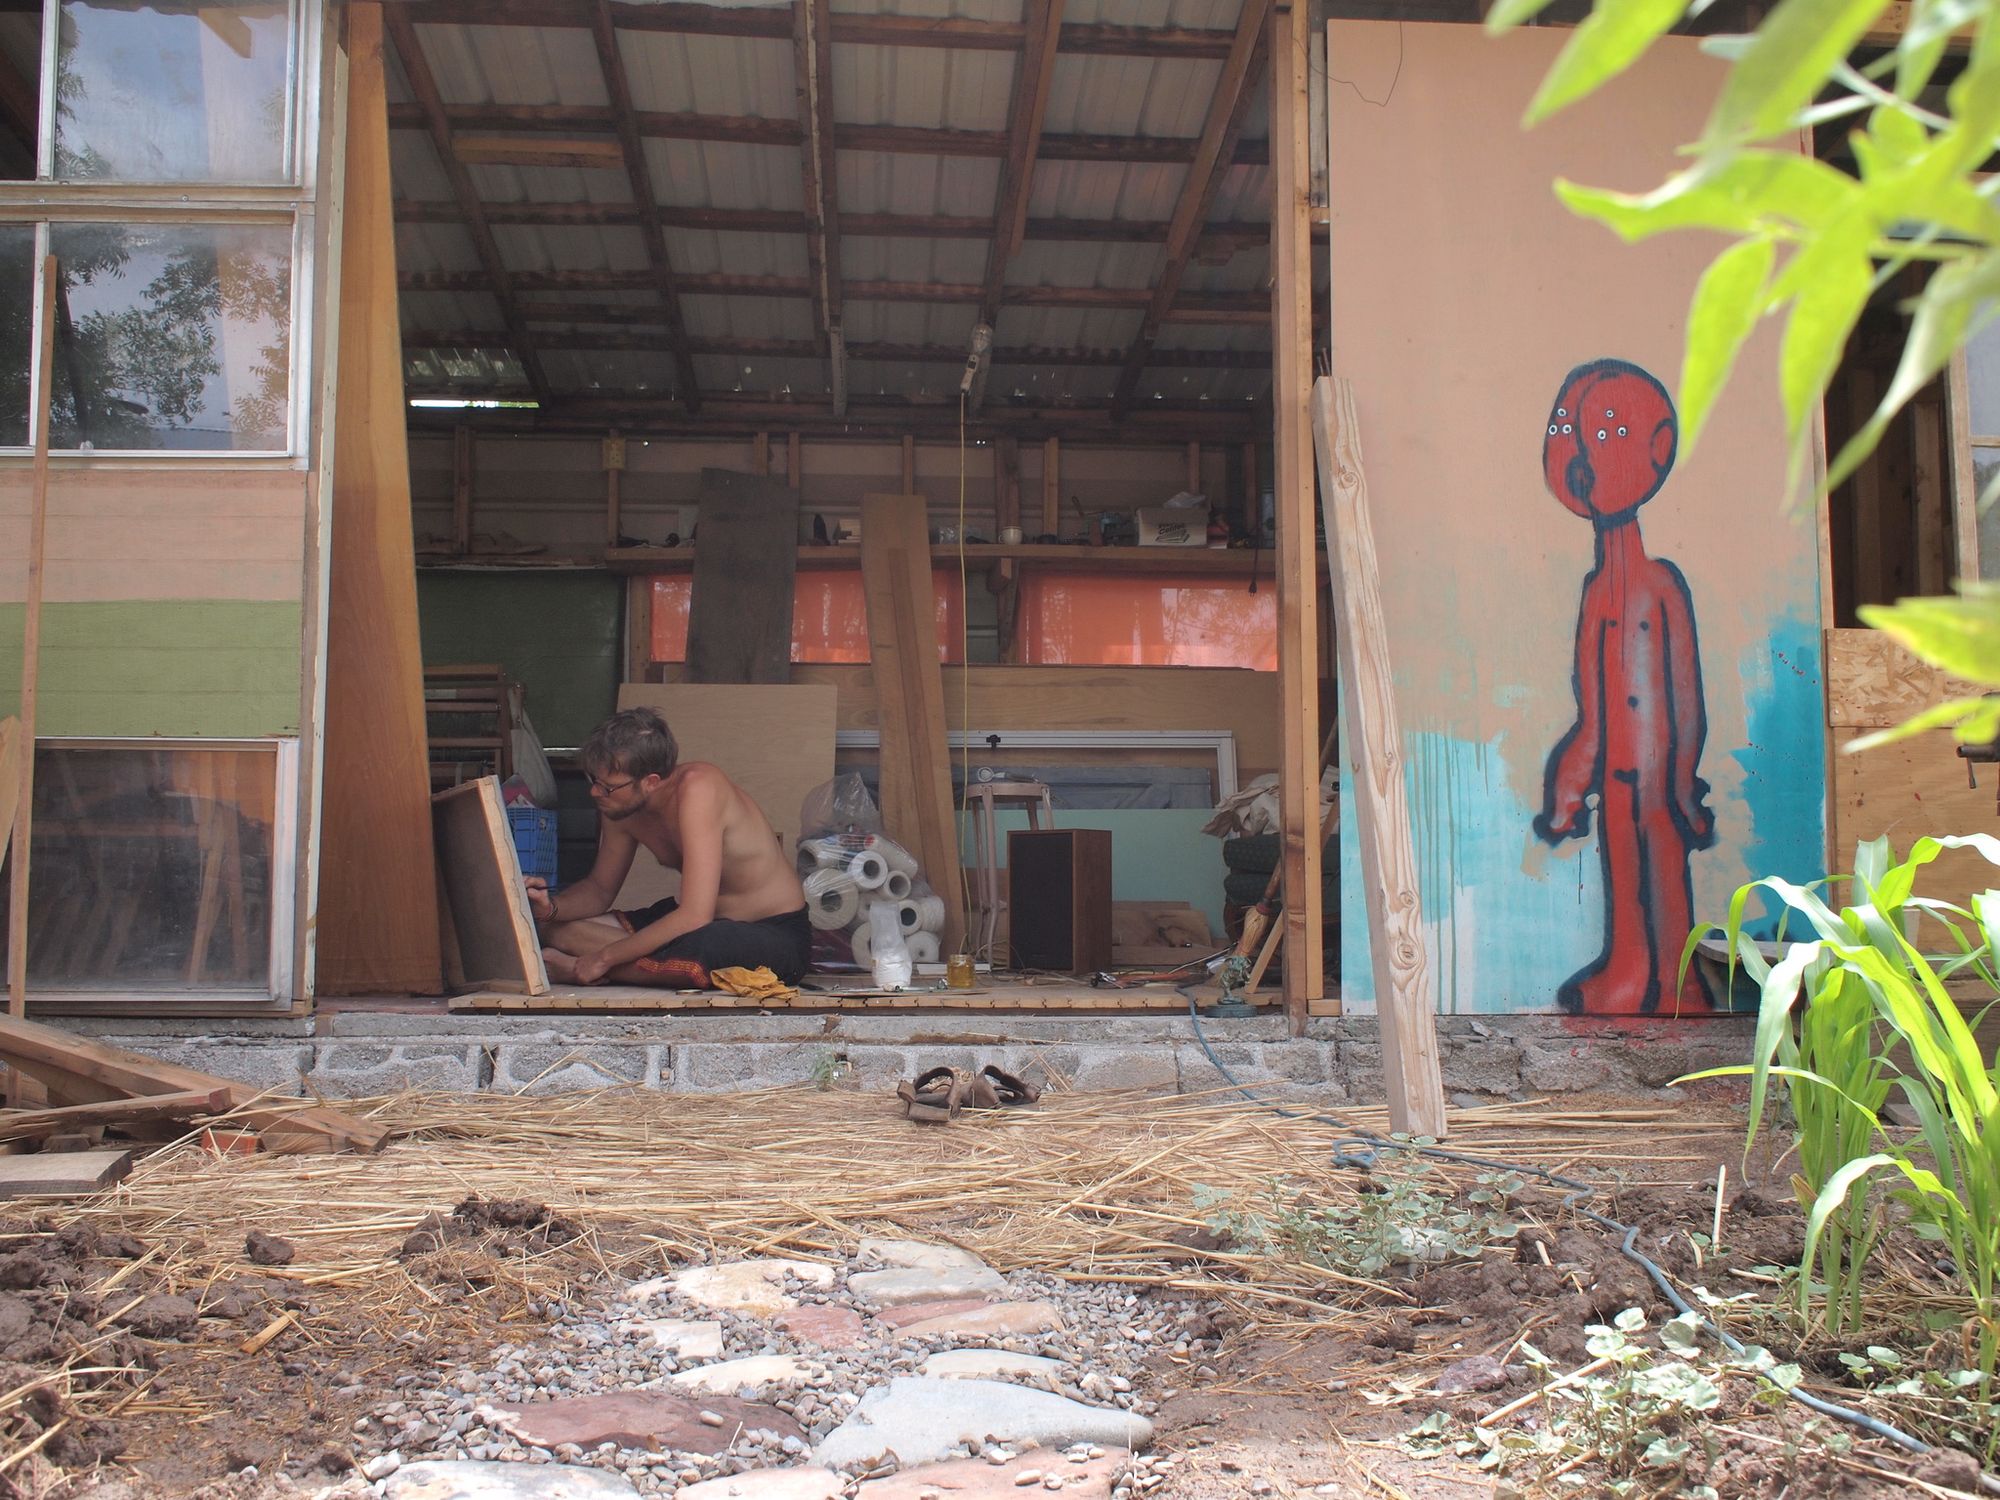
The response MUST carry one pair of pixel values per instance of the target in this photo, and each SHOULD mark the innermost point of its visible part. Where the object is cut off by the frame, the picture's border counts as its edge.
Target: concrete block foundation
(358, 1052)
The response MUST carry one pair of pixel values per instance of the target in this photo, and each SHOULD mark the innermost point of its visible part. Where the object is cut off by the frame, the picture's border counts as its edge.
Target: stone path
(912, 1371)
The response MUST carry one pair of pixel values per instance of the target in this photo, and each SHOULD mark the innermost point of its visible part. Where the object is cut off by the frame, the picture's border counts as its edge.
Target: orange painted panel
(829, 616)
(1081, 620)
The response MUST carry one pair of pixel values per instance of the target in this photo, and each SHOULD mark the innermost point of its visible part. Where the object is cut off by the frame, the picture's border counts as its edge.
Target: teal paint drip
(1784, 763)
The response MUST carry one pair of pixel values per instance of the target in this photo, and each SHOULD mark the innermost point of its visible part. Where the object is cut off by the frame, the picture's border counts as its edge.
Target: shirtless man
(740, 904)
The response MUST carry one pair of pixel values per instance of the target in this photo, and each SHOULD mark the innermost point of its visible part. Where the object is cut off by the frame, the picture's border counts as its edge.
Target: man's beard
(618, 817)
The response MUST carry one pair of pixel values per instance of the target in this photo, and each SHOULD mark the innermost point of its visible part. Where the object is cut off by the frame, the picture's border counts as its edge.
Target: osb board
(179, 533)
(487, 903)
(1098, 698)
(774, 740)
(1871, 682)
(1482, 568)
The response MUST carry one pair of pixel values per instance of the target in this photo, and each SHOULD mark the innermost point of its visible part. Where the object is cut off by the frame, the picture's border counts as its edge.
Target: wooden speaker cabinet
(1059, 899)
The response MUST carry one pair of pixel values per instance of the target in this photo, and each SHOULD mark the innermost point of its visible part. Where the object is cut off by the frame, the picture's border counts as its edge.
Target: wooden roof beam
(1215, 238)
(748, 348)
(812, 75)
(771, 23)
(417, 69)
(619, 88)
(574, 120)
(1224, 122)
(1026, 111)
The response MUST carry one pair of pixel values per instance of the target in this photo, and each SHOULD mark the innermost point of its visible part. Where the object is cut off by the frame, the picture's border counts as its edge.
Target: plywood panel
(160, 534)
(1103, 698)
(1872, 683)
(1465, 297)
(774, 740)
(1909, 789)
(491, 926)
(378, 919)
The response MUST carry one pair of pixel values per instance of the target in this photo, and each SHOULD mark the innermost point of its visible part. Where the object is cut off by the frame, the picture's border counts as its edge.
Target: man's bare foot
(561, 967)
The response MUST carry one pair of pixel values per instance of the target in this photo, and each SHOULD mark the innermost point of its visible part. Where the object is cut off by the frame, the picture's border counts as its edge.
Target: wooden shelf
(1230, 563)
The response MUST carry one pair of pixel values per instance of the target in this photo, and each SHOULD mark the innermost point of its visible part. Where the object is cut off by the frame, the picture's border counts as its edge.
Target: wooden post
(909, 464)
(1192, 481)
(461, 490)
(1298, 556)
(1052, 486)
(1933, 495)
(31, 650)
(1374, 750)
(378, 916)
(1964, 481)
(1253, 510)
(614, 496)
(760, 453)
(792, 445)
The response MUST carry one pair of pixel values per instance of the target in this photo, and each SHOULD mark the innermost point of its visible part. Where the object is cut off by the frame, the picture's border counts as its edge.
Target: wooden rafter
(812, 72)
(1215, 238)
(957, 33)
(417, 69)
(619, 88)
(1233, 89)
(576, 120)
(1025, 113)
(748, 348)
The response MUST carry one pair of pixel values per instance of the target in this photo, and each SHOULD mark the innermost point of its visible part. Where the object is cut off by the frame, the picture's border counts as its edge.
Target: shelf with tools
(1234, 562)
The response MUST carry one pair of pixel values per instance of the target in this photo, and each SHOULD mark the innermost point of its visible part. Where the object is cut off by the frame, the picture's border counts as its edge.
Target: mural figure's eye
(1621, 432)
(1562, 411)
(1552, 429)
(1608, 412)
(1565, 429)
(1600, 434)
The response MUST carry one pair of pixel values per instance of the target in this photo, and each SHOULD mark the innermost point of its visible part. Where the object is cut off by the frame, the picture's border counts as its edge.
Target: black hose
(1370, 1143)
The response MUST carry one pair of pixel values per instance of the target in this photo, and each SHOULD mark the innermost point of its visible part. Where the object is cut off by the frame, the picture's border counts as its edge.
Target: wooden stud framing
(1253, 509)
(1411, 1075)
(1932, 489)
(794, 472)
(461, 489)
(812, 72)
(1026, 111)
(909, 464)
(1052, 486)
(614, 494)
(640, 175)
(1964, 478)
(31, 650)
(1298, 559)
(1192, 481)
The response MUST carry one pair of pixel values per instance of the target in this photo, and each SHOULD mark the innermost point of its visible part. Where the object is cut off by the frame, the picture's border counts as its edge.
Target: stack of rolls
(846, 874)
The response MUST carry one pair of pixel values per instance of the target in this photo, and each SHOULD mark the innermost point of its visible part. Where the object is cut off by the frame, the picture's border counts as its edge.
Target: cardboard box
(1173, 526)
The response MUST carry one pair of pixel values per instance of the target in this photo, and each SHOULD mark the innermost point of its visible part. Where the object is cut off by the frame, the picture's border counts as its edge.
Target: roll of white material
(832, 900)
(867, 869)
(923, 947)
(909, 916)
(828, 854)
(896, 886)
(859, 940)
(894, 854)
(930, 913)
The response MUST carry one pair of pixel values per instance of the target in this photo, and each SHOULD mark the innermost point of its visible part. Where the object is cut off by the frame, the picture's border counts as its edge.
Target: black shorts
(782, 944)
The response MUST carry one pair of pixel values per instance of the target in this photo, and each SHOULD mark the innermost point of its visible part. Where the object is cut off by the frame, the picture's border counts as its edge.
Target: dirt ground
(217, 1315)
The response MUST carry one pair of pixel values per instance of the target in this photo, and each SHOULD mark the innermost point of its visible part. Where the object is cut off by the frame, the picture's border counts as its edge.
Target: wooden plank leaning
(1374, 749)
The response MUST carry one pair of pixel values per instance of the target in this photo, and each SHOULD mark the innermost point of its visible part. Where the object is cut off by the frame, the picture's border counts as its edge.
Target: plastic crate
(535, 840)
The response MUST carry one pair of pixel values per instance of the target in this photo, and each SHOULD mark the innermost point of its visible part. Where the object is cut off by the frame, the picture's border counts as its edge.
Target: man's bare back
(740, 902)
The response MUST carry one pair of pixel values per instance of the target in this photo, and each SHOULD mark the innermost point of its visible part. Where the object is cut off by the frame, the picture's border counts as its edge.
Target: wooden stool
(987, 901)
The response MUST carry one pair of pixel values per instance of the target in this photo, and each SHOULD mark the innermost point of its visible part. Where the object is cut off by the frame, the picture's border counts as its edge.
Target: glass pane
(173, 91)
(1985, 464)
(17, 331)
(172, 336)
(151, 869)
(1982, 384)
(20, 93)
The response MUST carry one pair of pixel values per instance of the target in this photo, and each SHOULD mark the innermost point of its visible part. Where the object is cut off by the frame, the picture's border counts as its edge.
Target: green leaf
(1727, 304)
(1953, 711)
(1507, 14)
(1743, 193)
(1830, 296)
(1612, 37)
(1961, 635)
(1797, 46)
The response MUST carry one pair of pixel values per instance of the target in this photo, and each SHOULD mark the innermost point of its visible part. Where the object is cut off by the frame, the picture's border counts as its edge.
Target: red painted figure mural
(1640, 722)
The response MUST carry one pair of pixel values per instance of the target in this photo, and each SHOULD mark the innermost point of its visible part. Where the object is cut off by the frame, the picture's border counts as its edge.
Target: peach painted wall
(1463, 294)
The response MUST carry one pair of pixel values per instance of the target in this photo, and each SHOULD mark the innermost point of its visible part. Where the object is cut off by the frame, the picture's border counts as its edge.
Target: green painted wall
(182, 667)
(556, 633)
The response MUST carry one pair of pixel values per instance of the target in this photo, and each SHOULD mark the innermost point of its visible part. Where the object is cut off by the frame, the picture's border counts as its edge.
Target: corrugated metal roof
(958, 89)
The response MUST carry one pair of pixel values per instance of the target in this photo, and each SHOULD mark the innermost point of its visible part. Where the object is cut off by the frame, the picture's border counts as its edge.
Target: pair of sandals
(937, 1096)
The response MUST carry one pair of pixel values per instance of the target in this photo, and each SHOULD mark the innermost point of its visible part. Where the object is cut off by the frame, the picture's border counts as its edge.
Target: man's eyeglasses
(608, 787)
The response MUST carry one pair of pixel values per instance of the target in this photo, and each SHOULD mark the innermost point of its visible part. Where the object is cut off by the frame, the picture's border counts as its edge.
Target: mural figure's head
(1611, 440)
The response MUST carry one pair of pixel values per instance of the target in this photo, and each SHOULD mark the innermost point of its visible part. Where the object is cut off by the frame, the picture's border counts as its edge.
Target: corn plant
(1866, 987)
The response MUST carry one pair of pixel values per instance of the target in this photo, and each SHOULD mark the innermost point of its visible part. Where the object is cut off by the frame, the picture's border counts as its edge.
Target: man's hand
(592, 967)
(540, 904)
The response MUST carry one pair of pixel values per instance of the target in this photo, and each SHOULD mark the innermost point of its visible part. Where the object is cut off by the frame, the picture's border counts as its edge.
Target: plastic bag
(887, 953)
(851, 869)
